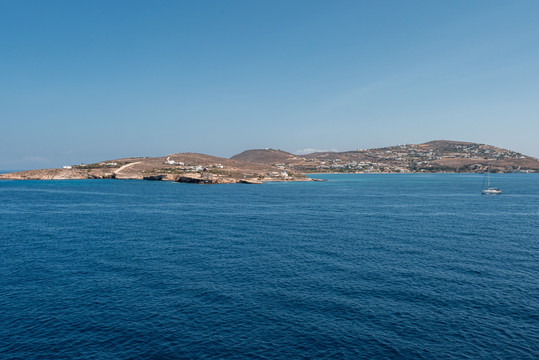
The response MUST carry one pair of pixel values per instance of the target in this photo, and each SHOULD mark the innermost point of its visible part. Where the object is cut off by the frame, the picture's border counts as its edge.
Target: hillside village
(434, 156)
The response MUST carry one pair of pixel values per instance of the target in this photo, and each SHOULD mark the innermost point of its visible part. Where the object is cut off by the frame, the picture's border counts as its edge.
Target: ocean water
(361, 266)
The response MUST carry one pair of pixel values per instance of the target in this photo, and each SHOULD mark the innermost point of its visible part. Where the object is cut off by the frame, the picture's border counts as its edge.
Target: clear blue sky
(83, 81)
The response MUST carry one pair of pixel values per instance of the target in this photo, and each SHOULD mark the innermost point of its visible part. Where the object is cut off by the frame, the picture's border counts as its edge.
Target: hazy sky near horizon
(84, 81)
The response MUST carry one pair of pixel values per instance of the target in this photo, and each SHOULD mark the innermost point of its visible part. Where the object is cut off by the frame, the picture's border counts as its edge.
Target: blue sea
(411, 266)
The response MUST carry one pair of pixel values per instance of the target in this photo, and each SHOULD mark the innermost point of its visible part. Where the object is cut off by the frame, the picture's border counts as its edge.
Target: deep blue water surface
(361, 266)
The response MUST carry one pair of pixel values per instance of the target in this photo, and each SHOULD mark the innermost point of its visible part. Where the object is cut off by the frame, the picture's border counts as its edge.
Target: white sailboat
(489, 190)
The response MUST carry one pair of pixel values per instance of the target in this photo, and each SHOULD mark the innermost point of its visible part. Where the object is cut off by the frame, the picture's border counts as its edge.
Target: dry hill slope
(264, 156)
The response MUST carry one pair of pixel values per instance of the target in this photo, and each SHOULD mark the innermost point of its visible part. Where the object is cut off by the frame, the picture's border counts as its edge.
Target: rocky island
(264, 165)
(180, 167)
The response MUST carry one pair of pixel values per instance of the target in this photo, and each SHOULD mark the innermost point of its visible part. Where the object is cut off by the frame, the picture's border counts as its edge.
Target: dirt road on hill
(117, 171)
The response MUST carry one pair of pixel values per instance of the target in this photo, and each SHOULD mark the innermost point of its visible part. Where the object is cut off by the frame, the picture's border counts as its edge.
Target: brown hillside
(440, 144)
(264, 156)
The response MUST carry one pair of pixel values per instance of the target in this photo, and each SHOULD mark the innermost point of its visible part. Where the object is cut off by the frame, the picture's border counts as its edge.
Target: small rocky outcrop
(154, 177)
(250, 181)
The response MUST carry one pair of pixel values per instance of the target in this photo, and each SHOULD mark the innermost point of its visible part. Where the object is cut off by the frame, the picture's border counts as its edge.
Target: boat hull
(491, 192)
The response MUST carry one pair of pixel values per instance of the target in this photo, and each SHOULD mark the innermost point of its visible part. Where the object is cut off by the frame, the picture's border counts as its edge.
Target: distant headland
(264, 165)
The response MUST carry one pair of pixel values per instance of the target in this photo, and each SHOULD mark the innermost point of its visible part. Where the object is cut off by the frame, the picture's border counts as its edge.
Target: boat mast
(488, 177)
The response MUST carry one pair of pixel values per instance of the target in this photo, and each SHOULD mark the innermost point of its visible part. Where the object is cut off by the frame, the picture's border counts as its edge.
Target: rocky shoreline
(203, 177)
